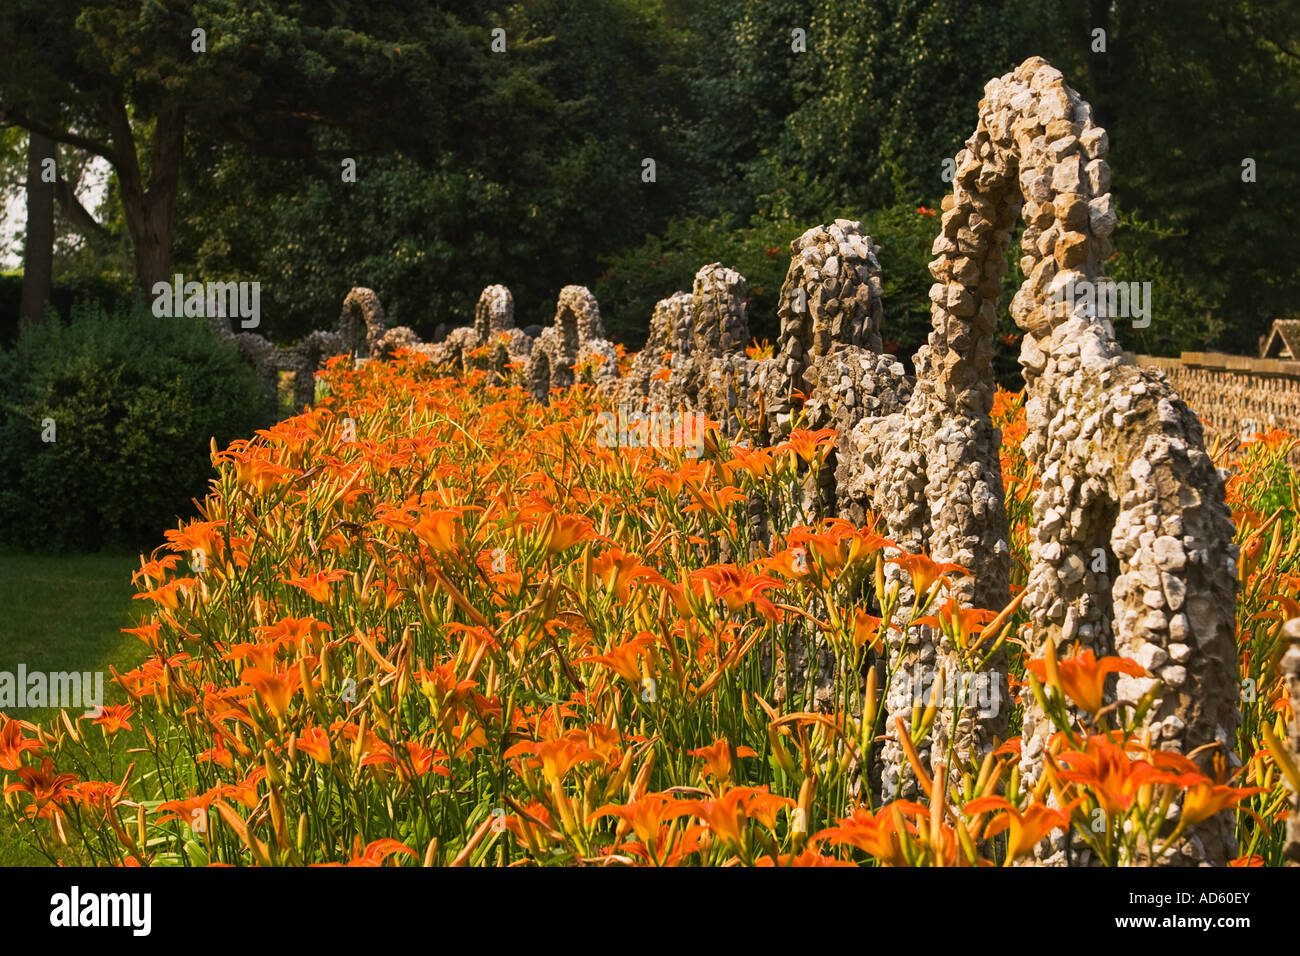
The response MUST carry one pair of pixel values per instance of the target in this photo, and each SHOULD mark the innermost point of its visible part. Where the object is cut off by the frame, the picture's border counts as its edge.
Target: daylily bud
(273, 772)
(782, 755)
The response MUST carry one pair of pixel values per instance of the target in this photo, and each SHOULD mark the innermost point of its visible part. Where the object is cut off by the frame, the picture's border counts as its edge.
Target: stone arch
(494, 326)
(1119, 456)
(361, 322)
(577, 316)
(576, 335)
(494, 312)
(303, 360)
(719, 332)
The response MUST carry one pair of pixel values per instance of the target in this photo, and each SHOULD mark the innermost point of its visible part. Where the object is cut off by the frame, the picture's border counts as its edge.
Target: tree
(1188, 93)
(128, 79)
(540, 179)
(38, 249)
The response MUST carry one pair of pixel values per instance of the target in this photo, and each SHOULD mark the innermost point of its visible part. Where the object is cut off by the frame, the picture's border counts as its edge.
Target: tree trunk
(150, 211)
(38, 250)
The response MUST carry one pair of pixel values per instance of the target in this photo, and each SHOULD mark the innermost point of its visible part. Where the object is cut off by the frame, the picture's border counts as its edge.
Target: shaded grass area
(64, 613)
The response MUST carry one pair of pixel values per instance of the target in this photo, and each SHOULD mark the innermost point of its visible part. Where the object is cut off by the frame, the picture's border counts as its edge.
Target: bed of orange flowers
(433, 622)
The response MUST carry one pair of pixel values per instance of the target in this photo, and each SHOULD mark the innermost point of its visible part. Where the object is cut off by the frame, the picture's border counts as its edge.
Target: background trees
(525, 166)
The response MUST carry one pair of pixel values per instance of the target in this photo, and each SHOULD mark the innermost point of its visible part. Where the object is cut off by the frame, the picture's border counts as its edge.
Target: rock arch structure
(1133, 552)
(361, 324)
(577, 337)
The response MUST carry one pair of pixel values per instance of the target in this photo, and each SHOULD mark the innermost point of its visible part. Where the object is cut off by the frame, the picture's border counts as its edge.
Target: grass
(64, 613)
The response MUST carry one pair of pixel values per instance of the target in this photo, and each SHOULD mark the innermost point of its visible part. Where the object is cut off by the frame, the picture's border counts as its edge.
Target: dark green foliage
(135, 401)
(642, 275)
(541, 176)
(1187, 91)
(523, 167)
(67, 290)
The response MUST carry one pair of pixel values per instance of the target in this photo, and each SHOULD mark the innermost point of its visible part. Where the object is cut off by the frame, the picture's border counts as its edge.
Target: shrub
(69, 290)
(134, 401)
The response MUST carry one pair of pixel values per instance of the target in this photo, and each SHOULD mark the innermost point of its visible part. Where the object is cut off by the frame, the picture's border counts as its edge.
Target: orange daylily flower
(717, 758)
(202, 535)
(808, 857)
(245, 792)
(808, 445)
(715, 502)
(562, 532)
(317, 585)
(257, 474)
(925, 573)
(191, 811)
(167, 595)
(556, 757)
(114, 718)
(867, 631)
(647, 816)
(726, 814)
(876, 834)
(13, 743)
(618, 571)
(961, 622)
(376, 852)
(98, 794)
(625, 659)
(737, 588)
(1106, 769)
(315, 743)
(1083, 677)
(146, 632)
(443, 531)
(1027, 828)
(1204, 799)
(275, 688)
(756, 462)
(155, 571)
(47, 789)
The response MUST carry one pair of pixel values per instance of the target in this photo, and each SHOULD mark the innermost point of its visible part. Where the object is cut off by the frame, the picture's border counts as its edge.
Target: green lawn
(64, 613)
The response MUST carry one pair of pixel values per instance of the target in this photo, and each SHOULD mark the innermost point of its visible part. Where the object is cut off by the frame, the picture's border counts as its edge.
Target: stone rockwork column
(494, 312)
(829, 349)
(494, 326)
(644, 387)
(719, 377)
